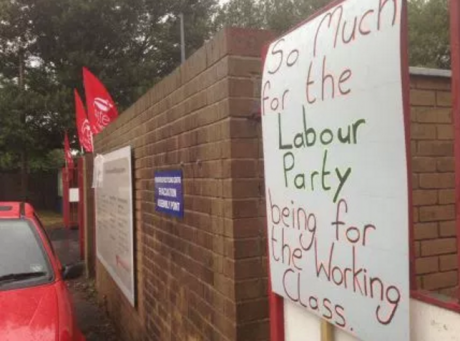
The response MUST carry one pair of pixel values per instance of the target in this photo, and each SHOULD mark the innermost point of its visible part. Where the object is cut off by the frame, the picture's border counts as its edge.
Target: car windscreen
(23, 260)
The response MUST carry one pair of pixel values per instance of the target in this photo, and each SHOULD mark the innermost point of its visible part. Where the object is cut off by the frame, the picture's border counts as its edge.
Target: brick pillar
(89, 218)
(246, 225)
(433, 182)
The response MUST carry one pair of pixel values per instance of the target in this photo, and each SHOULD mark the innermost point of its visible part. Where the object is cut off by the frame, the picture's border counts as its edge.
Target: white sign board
(114, 220)
(73, 195)
(336, 169)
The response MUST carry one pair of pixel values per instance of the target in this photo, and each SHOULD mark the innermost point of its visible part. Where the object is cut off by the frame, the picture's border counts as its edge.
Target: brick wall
(433, 184)
(202, 277)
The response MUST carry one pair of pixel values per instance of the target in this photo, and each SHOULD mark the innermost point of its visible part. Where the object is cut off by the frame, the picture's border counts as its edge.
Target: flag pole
(182, 37)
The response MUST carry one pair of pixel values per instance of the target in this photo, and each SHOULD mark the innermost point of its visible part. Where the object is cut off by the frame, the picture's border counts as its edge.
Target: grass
(51, 219)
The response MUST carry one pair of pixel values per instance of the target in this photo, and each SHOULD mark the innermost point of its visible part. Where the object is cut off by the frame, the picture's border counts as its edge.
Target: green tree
(16, 102)
(429, 44)
(428, 23)
(276, 15)
(241, 13)
(128, 44)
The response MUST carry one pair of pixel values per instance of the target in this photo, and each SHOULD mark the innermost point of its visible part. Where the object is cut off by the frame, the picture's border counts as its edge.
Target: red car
(35, 304)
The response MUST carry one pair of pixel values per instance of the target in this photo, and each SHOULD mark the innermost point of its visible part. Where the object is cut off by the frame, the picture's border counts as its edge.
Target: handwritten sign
(114, 219)
(168, 192)
(336, 168)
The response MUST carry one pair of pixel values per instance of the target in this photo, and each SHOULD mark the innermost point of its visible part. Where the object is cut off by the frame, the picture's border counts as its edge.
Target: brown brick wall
(433, 184)
(202, 277)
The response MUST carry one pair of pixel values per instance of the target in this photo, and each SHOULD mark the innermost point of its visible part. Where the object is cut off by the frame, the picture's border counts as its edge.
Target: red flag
(101, 108)
(85, 135)
(68, 154)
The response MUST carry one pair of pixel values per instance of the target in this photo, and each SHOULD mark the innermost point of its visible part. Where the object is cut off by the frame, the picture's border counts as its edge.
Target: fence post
(65, 197)
(81, 206)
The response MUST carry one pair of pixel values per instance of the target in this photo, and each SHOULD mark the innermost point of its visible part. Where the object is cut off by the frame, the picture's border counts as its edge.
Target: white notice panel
(74, 194)
(336, 169)
(114, 220)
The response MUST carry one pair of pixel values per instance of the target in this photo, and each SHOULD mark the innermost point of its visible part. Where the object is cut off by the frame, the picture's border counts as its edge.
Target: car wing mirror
(73, 270)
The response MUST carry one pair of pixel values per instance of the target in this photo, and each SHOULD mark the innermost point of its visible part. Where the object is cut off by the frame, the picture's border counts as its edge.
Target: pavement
(91, 318)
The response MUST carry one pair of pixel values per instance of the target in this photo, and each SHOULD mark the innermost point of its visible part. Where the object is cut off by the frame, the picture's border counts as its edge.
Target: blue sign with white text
(168, 192)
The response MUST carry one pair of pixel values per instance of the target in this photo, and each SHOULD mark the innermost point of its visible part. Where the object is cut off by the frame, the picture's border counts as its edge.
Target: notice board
(114, 219)
(335, 151)
(169, 192)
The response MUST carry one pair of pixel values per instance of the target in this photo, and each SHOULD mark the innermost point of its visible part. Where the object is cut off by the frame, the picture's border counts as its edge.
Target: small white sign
(336, 170)
(74, 195)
